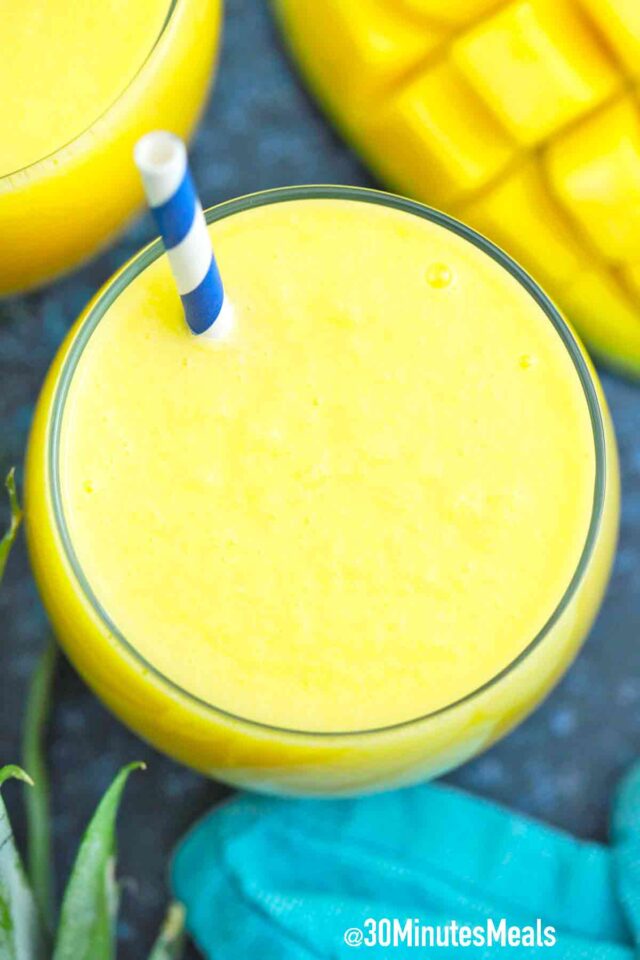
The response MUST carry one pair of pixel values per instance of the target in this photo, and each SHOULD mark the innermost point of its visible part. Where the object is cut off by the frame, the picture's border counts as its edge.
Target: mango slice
(537, 67)
(521, 215)
(609, 320)
(435, 149)
(619, 21)
(521, 117)
(594, 170)
(360, 49)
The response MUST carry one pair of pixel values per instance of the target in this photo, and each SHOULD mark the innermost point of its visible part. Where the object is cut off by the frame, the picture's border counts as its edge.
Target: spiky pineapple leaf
(170, 943)
(21, 934)
(16, 517)
(39, 858)
(87, 919)
(11, 772)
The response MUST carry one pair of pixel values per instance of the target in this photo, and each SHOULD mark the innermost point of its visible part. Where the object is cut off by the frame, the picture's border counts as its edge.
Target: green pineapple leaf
(170, 943)
(21, 934)
(16, 517)
(16, 773)
(86, 930)
(87, 919)
(39, 858)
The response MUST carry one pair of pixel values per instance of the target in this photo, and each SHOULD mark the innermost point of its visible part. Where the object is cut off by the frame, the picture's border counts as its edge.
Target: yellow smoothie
(85, 79)
(358, 508)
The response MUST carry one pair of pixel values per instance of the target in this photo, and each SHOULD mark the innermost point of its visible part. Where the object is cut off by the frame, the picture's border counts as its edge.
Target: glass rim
(172, 6)
(140, 261)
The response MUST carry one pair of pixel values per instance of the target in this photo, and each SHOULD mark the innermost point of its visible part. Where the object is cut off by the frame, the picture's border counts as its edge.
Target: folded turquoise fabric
(275, 879)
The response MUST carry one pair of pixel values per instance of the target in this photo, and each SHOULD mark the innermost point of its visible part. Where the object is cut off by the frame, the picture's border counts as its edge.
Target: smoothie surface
(62, 64)
(359, 505)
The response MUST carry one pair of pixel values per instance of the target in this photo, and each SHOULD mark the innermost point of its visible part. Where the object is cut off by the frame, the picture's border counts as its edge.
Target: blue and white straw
(161, 158)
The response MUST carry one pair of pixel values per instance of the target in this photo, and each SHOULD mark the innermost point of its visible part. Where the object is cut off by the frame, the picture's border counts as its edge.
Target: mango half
(521, 118)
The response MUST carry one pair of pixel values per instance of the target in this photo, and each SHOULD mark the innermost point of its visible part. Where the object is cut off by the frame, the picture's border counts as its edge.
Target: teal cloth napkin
(275, 879)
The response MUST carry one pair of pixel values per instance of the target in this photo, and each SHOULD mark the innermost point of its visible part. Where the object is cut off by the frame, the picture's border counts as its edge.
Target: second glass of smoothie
(82, 82)
(354, 540)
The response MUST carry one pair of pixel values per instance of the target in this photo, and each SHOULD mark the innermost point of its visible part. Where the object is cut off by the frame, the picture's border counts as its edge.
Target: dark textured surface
(262, 131)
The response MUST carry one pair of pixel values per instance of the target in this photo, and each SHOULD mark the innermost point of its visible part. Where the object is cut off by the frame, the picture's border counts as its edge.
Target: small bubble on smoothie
(439, 275)
(88, 486)
(527, 360)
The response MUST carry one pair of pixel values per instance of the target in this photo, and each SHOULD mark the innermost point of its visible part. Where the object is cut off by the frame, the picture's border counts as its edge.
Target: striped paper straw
(161, 158)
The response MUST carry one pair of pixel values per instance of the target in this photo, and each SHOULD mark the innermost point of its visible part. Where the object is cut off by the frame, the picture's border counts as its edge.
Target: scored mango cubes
(619, 21)
(522, 216)
(432, 141)
(537, 66)
(594, 169)
(361, 47)
(521, 117)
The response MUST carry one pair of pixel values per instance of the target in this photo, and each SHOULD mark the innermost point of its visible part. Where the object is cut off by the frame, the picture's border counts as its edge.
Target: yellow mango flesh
(594, 171)
(429, 136)
(536, 67)
(357, 507)
(520, 117)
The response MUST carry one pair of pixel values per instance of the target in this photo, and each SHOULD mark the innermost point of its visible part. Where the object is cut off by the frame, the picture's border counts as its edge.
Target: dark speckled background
(261, 130)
